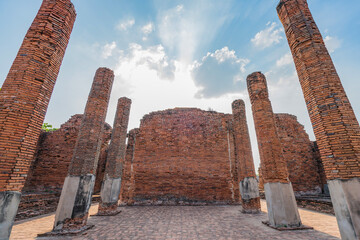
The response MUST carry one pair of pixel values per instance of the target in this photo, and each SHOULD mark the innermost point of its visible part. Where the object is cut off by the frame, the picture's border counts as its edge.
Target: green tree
(48, 127)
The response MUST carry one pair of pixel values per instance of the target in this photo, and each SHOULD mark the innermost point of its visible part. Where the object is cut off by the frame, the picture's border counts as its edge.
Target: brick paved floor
(184, 222)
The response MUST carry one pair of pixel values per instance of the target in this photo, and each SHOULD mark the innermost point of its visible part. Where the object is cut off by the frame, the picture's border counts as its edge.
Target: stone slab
(75, 198)
(9, 203)
(281, 205)
(110, 190)
(249, 188)
(345, 195)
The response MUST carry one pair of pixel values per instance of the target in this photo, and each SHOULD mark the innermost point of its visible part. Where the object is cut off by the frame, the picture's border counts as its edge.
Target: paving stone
(185, 222)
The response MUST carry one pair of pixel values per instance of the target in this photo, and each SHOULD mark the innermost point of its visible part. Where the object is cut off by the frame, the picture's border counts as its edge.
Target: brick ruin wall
(50, 166)
(304, 165)
(182, 156)
(53, 157)
(304, 172)
(173, 160)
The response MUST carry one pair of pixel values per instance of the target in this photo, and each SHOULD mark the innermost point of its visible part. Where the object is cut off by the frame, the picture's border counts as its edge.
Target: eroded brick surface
(117, 148)
(128, 178)
(54, 153)
(335, 126)
(302, 165)
(87, 147)
(273, 163)
(26, 92)
(243, 152)
(182, 156)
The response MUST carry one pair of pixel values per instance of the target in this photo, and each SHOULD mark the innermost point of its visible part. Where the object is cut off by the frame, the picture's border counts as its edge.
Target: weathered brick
(273, 164)
(87, 147)
(303, 167)
(182, 157)
(243, 155)
(53, 156)
(72, 215)
(27, 89)
(128, 178)
(335, 125)
(110, 189)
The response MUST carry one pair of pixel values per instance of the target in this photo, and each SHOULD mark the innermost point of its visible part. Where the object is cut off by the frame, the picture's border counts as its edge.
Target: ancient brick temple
(24, 99)
(182, 156)
(335, 125)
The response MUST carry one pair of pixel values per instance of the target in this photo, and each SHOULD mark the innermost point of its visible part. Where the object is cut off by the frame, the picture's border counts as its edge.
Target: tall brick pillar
(24, 99)
(110, 189)
(335, 126)
(249, 189)
(128, 178)
(75, 199)
(280, 199)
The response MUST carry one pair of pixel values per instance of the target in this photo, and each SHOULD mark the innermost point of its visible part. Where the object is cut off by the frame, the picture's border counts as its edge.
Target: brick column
(75, 200)
(128, 178)
(110, 189)
(24, 99)
(335, 126)
(249, 189)
(280, 199)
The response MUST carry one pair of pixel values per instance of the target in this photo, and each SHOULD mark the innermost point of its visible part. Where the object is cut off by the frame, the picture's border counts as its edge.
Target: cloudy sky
(190, 53)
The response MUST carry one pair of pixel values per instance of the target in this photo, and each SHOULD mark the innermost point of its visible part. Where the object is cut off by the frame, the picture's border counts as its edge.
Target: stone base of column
(250, 198)
(345, 196)
(108, 209)
(75, 200)
(110, 191)
(9, 203)
(281, 205)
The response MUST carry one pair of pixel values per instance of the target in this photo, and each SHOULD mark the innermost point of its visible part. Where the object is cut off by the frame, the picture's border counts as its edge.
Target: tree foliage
(48, 127)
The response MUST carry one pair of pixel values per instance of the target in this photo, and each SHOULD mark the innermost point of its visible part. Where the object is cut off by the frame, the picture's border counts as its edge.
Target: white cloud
(284, 60)
(125, 24)
(148, 28)
(179, 8)
(332, 43)
(269, 36)
(154, 58)
(186, 28)
(108, 49)
(219, 73)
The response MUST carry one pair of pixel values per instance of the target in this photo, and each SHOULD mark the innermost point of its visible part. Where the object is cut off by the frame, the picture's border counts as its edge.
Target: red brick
(26, 92)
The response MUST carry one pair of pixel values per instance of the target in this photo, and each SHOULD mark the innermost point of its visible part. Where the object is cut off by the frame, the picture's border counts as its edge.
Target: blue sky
(168, 54)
